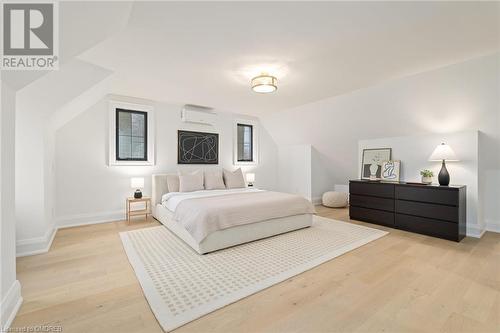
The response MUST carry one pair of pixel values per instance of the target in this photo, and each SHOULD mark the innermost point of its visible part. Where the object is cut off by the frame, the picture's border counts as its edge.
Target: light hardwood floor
(402, 282)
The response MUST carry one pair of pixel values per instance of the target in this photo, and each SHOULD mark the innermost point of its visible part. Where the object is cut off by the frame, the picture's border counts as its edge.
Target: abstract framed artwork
(197, 147)
(390, 171)
(371, 165)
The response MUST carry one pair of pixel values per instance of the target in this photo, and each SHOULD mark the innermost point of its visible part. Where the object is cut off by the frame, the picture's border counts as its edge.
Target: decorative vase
(373, 171)
(426, 180)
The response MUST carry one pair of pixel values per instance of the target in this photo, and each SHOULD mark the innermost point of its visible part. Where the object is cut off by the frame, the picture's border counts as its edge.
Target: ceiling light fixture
(264, 83)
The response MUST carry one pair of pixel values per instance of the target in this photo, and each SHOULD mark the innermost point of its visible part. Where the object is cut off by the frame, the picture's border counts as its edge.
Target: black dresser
(432, 210)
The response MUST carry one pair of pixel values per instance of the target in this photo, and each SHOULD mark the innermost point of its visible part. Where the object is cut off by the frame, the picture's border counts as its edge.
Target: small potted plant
(427, 176)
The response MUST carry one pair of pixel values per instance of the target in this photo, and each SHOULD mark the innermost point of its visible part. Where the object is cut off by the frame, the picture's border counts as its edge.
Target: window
(245, 143)
(131, 135)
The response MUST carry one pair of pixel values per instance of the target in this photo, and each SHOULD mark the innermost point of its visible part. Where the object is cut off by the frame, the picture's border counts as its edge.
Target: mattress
(233, 236)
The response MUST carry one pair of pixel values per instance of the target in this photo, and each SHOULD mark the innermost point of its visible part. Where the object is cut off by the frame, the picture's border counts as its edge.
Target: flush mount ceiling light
(264, 83)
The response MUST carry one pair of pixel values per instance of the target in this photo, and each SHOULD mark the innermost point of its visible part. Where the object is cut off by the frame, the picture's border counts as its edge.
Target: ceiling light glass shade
(443, 152)
(264, 84)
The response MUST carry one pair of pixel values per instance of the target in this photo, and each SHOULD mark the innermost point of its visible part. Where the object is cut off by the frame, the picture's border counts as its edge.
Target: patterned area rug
(182, 285)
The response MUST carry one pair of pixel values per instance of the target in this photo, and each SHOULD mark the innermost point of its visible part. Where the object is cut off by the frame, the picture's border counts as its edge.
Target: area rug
(182, 285)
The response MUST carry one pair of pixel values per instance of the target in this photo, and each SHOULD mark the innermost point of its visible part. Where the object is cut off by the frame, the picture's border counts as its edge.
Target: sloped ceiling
(82, 25)
(206, 53)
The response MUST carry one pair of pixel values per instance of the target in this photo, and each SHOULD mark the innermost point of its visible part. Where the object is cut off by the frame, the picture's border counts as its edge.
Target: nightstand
(145, 212)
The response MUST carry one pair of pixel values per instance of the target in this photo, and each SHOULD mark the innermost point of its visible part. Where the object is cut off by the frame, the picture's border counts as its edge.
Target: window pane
(131, 135)
(138, 124)
(124, 123)
(124, 147)
(245, 143)
(137, 147)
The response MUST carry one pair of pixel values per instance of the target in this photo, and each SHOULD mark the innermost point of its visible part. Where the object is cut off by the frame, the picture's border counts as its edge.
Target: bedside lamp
(250, 179)
(137, 183)
(443, 153)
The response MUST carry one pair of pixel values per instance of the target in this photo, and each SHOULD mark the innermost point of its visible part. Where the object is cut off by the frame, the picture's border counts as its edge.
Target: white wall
(294, 170)
(414, 152)
(10, 290)
(39, 108)
(88, 190)
(456, 98)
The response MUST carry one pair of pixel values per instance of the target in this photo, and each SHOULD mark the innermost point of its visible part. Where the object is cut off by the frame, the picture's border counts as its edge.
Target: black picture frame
(197, 147)
(365, 173)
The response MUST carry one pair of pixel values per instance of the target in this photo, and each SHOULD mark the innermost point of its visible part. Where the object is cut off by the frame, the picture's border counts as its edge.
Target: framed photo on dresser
(390, 171)
(371, 165)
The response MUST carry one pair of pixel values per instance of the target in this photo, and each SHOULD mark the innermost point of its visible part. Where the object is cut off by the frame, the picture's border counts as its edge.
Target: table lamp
(137, 183)
(443, 153)
(250, 178)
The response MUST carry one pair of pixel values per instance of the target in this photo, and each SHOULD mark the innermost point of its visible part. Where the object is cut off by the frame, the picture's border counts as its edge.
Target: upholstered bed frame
(159, 188)
(223, 238)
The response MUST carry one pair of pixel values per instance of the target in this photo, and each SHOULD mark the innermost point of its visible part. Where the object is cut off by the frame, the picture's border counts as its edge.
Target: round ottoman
(335, 199)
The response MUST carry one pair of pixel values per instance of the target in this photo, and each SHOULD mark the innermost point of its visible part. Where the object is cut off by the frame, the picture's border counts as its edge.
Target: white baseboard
(474, 230)
(9, 306)
(86, 219)
(316, 201)
(493, 226)
(37, 245)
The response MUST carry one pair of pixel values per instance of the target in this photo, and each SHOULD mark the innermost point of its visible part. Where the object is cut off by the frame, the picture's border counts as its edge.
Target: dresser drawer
(371, 202)
(442, 229)
(427, 194)
(372, 215)
(372, 189)
(439, 212)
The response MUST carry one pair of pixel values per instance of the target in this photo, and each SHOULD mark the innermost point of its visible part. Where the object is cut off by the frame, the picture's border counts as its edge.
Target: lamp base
(444, 176)
(137, 194)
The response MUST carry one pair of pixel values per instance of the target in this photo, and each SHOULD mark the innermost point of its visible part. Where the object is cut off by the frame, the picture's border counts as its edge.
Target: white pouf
(335, 199)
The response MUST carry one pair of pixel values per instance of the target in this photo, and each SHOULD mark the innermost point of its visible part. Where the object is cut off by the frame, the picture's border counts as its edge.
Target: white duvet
(204, 212)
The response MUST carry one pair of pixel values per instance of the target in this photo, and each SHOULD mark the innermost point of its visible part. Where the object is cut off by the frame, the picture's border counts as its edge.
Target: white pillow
(173, 183)
(189, 182)
(213, 180)
(234, 179)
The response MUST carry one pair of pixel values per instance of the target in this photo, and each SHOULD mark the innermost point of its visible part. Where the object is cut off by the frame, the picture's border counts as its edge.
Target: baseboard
(37, 245)
(493, 226)
(475, 231)
(316, 201)
(10, 305)
(86, 219)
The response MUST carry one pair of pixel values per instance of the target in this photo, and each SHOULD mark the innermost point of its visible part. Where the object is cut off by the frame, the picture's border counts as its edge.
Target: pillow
(213, 180)
(234, 179)
(173, 183)
(189, 182)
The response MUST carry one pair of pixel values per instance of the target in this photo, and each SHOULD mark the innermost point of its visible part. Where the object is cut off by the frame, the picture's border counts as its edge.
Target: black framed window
(245, 143)
(131, 135)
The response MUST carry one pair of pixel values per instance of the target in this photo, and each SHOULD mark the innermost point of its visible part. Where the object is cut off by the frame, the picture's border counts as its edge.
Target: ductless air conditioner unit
(198, 115)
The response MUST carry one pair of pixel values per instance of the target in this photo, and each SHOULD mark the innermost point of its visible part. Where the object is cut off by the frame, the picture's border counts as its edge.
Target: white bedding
(204, 212)
(172, 199)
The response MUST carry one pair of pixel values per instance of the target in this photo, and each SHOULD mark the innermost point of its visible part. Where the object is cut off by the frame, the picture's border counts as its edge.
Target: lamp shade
(443, 152)
(137, 182)
(250, 177)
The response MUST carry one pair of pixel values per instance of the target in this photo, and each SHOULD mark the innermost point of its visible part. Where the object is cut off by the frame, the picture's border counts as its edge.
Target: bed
(183, 216)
